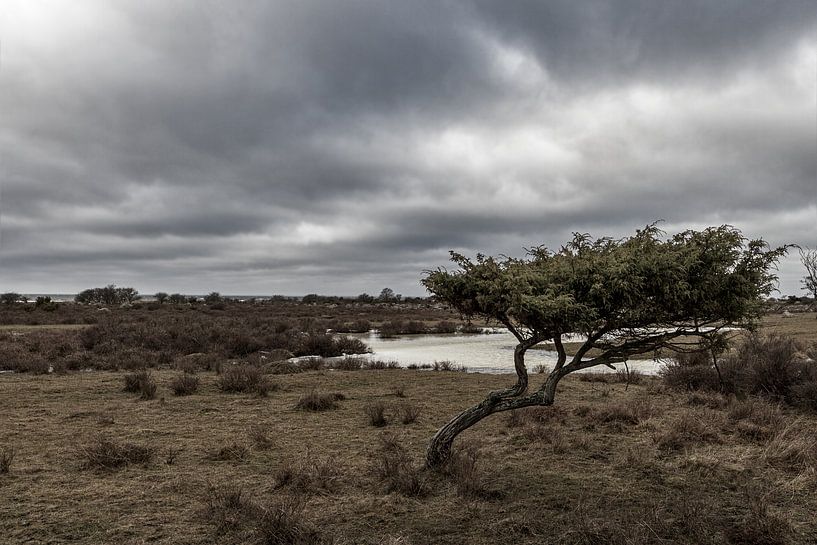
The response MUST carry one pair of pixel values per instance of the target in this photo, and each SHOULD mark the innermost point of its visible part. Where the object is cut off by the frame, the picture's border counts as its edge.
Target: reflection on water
(488, 353)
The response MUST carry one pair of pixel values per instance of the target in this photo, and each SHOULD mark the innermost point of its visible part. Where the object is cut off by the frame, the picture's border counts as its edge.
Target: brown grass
(630, 490)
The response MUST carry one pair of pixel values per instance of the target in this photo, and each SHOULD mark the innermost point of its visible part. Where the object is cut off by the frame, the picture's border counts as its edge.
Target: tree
(109, 295)
(177, 299)
(387, 295)
(10, 298)
(809, 260)
(161, 297)
(127, 295)
(626, 297)
(213, 297)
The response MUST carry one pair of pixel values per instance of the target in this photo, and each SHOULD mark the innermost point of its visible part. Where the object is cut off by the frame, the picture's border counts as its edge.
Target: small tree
(161, 297)
(809, 260)
(625, 297)
(127, 295)
(387, 295)
(9, 298)
(177, 299)
(213, 297)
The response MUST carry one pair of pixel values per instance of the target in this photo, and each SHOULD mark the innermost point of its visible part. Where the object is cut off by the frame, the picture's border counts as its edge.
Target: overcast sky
(340, 147)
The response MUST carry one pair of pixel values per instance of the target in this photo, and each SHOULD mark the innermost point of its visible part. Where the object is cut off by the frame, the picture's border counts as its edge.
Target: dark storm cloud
(339, 147)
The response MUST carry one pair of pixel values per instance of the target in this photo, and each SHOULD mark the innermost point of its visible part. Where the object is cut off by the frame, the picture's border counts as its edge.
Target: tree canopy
(621, 296)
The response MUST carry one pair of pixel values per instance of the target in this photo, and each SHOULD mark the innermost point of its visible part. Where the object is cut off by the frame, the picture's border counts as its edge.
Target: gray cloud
(310, 146)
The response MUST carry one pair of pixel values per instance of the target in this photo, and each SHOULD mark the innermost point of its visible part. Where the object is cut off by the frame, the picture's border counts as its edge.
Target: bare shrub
(184, 384)
(6, 458)
(230, 452)
(108, 454)
(541, 369)
(141, 382)
(769, 365)
(392, 465)
(376, 413)
(314, 401)
(408, 413)
(400, 391)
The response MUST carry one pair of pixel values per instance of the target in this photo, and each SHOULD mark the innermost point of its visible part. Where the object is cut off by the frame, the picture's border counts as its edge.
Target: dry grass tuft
(408, 413)
(392, 465)
(245, 378)
(686, 429)
(314, 401)
(376, 413)
(794, 447)
(6, 458)
(140, 382)
(259, 438)
(629, 412)
(232, 451)
(184, 384)
(463, 470)
(107, 454)
(311, 475)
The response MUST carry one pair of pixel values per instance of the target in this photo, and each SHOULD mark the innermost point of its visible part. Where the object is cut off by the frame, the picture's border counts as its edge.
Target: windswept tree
(624, 297)
(809, 260)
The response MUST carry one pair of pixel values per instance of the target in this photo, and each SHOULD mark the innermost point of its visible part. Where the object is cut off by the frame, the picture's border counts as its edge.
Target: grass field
(604, 465)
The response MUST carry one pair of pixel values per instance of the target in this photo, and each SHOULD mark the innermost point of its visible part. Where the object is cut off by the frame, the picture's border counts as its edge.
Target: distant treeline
(113, 295)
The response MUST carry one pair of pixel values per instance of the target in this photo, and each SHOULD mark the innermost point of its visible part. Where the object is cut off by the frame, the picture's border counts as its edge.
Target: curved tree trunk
(439, 449)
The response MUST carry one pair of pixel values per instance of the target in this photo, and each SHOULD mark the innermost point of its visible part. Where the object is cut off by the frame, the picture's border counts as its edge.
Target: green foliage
(627, 295)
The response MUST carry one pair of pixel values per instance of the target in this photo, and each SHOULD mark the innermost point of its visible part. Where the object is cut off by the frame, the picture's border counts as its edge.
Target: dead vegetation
(678, 467)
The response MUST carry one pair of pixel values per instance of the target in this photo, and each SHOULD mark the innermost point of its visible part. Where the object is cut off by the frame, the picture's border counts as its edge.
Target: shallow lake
(482, 353)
